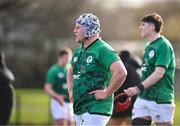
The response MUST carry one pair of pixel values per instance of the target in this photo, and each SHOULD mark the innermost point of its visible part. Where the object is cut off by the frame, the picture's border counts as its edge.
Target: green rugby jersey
(159, 53)
(56, 76)
(91, 72)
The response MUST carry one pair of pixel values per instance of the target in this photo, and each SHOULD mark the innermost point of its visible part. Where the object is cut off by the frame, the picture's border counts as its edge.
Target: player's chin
(79, 40)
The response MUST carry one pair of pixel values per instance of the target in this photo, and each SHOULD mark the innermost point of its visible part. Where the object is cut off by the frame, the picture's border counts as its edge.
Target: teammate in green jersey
(96, 73)
(156, 98)
(56, 87)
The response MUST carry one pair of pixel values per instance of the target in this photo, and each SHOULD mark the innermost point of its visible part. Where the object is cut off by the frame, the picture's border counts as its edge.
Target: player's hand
(99, 94)
(132, 91)
(60, 99)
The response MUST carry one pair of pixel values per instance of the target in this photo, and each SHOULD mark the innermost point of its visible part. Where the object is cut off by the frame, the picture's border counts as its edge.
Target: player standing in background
(156, 98)
(56, 87)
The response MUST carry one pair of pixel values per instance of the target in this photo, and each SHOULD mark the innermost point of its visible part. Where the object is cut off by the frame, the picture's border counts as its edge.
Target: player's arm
(154, 77)
(50, 92)
(69, 82)
(119, 74)
(151, 80)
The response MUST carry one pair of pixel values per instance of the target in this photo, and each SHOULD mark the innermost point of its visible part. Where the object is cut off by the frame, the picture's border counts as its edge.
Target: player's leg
(164, 124)
(141, 122)
(60, 122)
(124, 121)
(140, 113)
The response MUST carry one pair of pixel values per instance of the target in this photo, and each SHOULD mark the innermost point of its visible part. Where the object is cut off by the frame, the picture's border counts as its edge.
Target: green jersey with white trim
(56, 76)
(159, 53)
(91, 72)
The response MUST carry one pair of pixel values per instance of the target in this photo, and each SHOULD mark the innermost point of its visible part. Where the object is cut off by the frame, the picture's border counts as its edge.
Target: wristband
(141, 87)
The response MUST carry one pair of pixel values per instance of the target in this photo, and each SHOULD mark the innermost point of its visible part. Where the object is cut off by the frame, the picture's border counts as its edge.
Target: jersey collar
(155, 40)
(91, 44)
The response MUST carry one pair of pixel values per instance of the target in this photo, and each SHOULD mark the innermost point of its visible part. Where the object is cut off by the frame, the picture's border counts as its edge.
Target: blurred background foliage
(31, 31)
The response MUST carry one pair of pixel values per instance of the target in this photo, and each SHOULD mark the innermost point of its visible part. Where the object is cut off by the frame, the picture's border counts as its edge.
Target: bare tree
(7, 9)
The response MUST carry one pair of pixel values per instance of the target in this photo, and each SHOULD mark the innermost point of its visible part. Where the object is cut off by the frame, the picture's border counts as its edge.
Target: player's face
(79, 33)
(63, 60)
(146, 29)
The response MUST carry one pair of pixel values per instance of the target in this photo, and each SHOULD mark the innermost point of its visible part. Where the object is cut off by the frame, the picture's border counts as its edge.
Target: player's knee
(140, 121)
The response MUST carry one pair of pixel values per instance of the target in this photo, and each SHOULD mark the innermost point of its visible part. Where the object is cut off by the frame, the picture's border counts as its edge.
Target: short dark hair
(64, 51)
(156, 19)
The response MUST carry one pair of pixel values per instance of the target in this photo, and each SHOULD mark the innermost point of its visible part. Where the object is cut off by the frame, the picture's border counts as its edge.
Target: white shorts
(87, 119)
(62, 112)
(157, 112)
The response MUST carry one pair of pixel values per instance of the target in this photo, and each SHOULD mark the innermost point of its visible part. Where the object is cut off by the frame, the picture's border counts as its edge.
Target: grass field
(32, 107)
(177, 112)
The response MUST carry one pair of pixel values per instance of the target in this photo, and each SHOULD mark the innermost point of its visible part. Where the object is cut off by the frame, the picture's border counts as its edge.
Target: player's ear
(152, 26)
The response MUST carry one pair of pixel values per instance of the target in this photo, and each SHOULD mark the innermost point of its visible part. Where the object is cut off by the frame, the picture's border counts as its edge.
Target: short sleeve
(107, 56)
(51, 76)
(163, 56)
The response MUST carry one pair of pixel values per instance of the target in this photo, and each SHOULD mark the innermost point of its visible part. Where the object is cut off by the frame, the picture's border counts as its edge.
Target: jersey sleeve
(51, 76)
(163, 56)
(107, 56)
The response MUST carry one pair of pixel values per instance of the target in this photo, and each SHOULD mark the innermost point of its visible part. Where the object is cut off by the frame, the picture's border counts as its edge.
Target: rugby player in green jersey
(96, 73)
(56, 87)
(156, 98)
